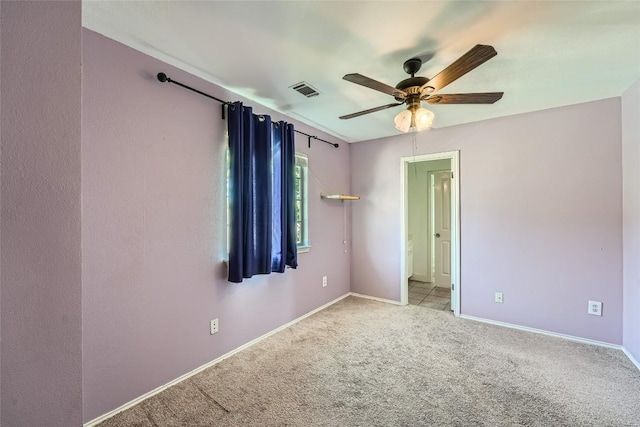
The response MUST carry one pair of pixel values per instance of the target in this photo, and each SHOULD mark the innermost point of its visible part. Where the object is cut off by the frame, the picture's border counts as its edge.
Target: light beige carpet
(366, 363)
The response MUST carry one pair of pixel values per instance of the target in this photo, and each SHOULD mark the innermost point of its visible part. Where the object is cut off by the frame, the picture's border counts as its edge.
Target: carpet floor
(366, 363)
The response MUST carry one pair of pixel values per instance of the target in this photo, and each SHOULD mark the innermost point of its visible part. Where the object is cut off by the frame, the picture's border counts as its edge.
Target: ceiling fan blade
(375, 85)
(465, 98)
(371, 110)
(478, 55)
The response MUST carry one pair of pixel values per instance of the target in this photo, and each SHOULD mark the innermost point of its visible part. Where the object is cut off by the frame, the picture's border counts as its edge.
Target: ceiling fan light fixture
(414, 89)
(413, 119)
(423, 119)
(403, 120)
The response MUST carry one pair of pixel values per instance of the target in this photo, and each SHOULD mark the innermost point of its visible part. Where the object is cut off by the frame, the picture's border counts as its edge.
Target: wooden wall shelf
(339, 197)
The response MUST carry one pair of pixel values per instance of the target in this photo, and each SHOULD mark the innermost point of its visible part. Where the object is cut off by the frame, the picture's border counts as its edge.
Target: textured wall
(40, 221)
(0, 214)
(631, 215)
(541, 216)
(153, 192)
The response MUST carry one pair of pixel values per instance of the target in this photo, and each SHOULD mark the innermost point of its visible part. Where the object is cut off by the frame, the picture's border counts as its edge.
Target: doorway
(430, 239)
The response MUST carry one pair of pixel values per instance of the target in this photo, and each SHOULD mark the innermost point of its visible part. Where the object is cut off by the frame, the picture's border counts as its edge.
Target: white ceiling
(550, 53)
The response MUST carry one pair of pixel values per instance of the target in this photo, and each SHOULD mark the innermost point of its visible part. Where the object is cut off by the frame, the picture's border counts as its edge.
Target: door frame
(454, 156)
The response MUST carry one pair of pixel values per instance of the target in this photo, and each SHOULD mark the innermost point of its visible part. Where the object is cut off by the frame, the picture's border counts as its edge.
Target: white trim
(153, 392)
(302, 160)
(454, 156)
(388, 301)
(633, 359)
(543, 332)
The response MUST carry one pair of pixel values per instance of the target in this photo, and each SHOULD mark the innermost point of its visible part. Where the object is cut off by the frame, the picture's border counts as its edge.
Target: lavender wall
(1, 119)
(153, 173)
(40, 264)
(0, 213)
(541, 213)
(631, 218)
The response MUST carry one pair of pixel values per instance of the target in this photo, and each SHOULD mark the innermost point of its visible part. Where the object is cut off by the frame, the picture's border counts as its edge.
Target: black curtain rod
(164, 78)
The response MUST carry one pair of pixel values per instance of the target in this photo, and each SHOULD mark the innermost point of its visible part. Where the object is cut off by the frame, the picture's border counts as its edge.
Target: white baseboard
(388, 301)
(633, 359)
(153, 392)
(420, 278)
(145, 396)
(543, 332)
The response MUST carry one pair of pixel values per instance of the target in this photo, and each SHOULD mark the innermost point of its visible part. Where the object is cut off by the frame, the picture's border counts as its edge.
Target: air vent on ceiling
(305, 89)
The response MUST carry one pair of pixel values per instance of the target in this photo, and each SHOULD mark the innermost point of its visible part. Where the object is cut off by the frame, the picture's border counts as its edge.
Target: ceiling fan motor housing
(411, 86)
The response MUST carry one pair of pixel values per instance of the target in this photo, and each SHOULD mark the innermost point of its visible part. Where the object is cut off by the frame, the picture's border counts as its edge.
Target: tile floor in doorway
(428, 295)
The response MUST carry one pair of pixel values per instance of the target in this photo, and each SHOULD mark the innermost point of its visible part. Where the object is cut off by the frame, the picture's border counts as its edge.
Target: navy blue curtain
(285, 250)
(262, 227)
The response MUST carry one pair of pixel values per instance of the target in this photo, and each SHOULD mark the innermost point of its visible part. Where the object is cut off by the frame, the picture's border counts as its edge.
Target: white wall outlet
(499, 298)
(595, 308)
(214, 326)
(324, 281)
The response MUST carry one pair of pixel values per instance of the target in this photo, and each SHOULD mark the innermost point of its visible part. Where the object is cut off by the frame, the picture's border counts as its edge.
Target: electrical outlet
(499, 298)
(324, 281)
(214, 326)
(595, 308)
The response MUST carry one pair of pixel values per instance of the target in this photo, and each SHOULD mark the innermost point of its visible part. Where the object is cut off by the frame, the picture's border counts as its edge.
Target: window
(301, 202)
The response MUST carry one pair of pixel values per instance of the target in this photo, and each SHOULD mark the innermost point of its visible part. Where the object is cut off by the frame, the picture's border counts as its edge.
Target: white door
(442, 229)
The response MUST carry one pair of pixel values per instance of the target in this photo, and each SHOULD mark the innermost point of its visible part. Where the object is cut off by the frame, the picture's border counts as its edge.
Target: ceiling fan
(415, 89)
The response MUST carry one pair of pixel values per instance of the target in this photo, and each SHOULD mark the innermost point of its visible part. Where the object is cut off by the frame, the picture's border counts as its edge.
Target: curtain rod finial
(162, 77)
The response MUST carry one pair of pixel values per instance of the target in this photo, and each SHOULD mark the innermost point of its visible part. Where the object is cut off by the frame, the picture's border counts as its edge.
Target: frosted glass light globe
(413, 119)
(403, 120)
(423, 119)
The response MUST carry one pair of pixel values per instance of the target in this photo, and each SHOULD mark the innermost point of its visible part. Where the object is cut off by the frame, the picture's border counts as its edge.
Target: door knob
(437, 234)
